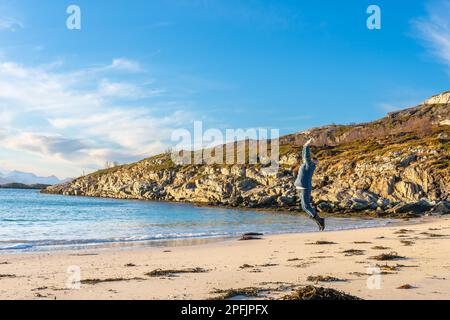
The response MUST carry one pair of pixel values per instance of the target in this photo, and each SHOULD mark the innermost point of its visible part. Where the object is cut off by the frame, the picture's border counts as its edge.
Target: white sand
(44, 276)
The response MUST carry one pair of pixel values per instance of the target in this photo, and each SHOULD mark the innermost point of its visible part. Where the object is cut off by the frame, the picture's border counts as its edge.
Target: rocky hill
(398, 164)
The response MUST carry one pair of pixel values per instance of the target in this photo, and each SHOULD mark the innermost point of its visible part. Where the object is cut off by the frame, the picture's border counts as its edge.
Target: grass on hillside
(356, 151)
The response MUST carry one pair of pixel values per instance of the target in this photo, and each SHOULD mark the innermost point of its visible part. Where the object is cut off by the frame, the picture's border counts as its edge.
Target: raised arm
(307, 153)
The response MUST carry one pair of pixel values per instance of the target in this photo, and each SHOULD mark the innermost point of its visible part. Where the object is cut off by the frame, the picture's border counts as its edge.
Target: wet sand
(270, 267)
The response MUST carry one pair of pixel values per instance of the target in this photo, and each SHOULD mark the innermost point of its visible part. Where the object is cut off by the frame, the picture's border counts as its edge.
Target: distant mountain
(3, 180)
(28, 178)
(23, 186)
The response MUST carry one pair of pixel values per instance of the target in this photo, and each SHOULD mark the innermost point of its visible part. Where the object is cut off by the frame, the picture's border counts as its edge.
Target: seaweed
(387, 267)
(434, 235)
(231, 293)
(315, 293)
(321, 243)
(358, 274)
(388, 257)
(304, 264)
(407, 243)
(353, 252)
(268, 265)
(403, 231)
(380, 248)
(172, 273)
(317, 279)
(40, 289)
(97, 281)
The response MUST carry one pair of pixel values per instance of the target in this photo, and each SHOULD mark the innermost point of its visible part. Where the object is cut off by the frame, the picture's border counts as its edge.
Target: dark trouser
(305, 198)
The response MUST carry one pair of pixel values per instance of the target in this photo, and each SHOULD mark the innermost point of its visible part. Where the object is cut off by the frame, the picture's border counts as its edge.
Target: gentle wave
(17, 247)
(80, 242)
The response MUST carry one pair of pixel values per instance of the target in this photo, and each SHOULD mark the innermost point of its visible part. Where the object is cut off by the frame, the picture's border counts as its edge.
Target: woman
(304, 185)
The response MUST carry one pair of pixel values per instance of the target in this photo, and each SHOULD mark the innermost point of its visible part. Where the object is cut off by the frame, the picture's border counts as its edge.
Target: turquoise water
(30, 221)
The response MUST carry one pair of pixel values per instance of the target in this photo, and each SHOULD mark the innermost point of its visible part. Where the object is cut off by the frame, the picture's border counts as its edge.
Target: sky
(71, 100)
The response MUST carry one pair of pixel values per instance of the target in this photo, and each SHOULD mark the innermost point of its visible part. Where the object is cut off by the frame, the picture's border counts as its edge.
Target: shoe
(320, 222)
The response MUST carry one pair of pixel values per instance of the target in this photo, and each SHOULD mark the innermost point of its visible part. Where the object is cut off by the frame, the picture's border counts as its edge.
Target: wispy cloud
(84, 117)
(125, 65)
(434, 29)
(10, 24)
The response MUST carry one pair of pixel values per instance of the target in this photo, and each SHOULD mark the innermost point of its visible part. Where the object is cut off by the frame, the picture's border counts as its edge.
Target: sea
(34, 222)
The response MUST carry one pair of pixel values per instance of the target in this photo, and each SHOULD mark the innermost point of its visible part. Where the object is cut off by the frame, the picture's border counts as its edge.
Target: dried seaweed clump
(317, 279)
(315, 293)
(231, 293)
(321, 243)
(388, 257)
(353, 252)
(171, 273)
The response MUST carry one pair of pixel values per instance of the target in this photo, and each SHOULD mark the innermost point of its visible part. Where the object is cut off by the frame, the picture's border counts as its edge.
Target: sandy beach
(272, 266)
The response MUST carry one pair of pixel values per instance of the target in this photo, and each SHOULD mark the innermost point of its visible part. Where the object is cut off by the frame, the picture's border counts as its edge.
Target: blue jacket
(305, 174)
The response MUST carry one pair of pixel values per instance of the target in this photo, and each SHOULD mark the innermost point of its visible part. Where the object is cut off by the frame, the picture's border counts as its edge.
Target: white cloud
(434, 30)
(10, 24)
(125, 65)
(83, 118)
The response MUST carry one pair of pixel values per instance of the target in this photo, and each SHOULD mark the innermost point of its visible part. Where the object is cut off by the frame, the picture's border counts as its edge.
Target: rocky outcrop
(443, 98)
(404, 169)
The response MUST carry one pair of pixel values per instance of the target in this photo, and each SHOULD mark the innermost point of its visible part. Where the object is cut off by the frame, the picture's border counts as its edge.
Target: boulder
(441, 208)
(266, 201)
(286, 201)
(325, 206)
(359, 205)
(420, 207)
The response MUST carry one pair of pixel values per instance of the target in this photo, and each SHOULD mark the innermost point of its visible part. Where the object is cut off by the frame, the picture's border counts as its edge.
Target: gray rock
(420, 207)
(266, 201)
(408, 160)
(359, 205)
(286, 201)
(441, 208)
(325, 206)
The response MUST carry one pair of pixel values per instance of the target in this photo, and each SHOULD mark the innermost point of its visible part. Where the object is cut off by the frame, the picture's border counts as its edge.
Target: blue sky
(115, 90)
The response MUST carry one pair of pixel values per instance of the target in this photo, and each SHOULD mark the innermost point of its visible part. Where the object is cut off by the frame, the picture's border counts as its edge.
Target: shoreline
(176, 242)
(294, 210)
(275, 265)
